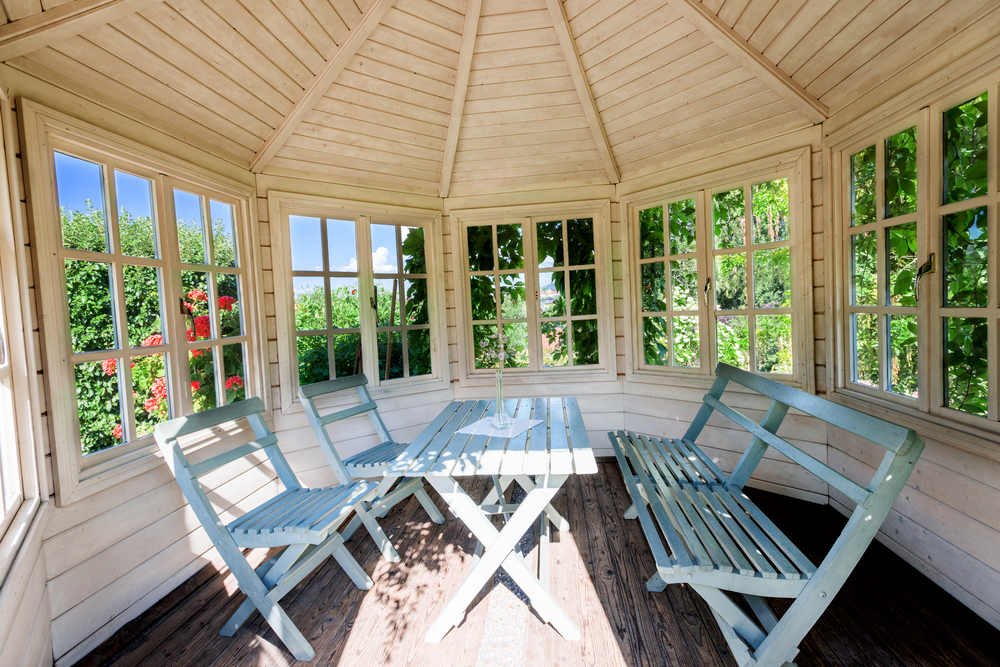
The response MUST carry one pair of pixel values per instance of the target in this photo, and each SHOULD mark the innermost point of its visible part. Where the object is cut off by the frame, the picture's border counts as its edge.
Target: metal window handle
(925, 268)
(708, 286)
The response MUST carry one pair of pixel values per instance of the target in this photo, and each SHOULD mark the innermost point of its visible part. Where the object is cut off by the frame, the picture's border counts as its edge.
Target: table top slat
(512, 462)
(494, 452)
(560, 456)
(583, 455)
(536, 462)
(459, 441)
(407, 456)
(440, 441)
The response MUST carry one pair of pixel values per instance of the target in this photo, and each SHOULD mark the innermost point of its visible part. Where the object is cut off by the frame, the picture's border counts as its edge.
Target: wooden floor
(887, 615)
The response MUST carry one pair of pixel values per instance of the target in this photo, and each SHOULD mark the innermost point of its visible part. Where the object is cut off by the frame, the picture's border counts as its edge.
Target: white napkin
(485, 427)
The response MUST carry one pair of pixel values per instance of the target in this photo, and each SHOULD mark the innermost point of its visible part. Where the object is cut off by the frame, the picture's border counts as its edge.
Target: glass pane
(149, 392)
(223, 233)
(80, 191)
(414, 255)
(314, 359)
(651, 233)
(965, 154)
(484, 345)
(307, 243)
(772, 278)
(687, 352)
(387, 299)
(773, 339)
(480, 248)
(683, 284)
(235, 372)
(732, 338)
(866, 370)
(554, 344)
(550, 243)
(202, 373)
(510, 247)
(142, 305)
(731, 281)
(390, 354)
(552, 294)
(901, 173)
(903, 354)
(682, 227)
(91, 312)
(512, 303)
(583, 292)
(730, 219)
(516, 347)
(770, 211)
(384, 258)
(190, 228)
(902, 243)
(864, 269)
(135, 215)
(580, 239)
(342, 246)
(585, 350)
(654, 288)
(310, 306)
(655, 340)
(416, 302)
(965, 364)
(195, 285)
(482, 293)
(863, 187)
(344, 303)
(98, 401)
(966, 259)
(418, 350)
(347, 354)
(228, 286)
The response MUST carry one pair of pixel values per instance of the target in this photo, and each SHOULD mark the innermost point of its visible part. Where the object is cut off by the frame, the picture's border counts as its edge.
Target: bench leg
(656, 583)
(376, 532)
(632, 512)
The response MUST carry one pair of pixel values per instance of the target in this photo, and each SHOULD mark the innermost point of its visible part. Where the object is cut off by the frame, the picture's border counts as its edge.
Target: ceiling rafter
(54, 25)
(468, 48)
(320, 83)
(561, 24)
(733, 44)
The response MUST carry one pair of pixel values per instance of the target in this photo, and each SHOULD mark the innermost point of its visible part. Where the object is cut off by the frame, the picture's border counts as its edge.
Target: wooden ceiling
(467, 96)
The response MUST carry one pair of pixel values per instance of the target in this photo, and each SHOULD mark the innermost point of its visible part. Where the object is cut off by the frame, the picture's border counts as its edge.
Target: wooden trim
(320, 83)
(54, 25)
(469, 34)
(561, 24)
(733, 44)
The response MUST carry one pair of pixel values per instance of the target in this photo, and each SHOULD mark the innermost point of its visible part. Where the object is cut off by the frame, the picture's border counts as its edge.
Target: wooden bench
(705, 532)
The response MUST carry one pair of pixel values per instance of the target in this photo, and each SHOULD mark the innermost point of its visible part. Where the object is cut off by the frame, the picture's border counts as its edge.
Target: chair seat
(373, 461)
(298, 516)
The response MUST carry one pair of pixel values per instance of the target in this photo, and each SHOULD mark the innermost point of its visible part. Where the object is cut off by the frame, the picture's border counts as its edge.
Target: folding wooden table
(550, 452)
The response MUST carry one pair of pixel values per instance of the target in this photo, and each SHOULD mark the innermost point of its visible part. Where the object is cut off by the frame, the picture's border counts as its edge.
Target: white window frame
(794, 165)
(44, 131)
(283, 204)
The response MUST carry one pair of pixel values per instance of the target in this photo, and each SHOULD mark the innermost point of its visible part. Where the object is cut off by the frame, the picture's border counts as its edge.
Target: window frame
(45, 131)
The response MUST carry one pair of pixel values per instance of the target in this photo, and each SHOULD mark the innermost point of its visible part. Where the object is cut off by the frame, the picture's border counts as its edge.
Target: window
(10, 466)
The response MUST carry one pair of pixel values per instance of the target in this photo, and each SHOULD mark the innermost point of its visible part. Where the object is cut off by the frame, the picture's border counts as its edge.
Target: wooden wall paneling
(796, 27)
(327, 17)
(632, 42)
(820, 34)
(470, 30)
(731, 11)
(751, 18)
(23, 596)
(781, 14)
(316, 34)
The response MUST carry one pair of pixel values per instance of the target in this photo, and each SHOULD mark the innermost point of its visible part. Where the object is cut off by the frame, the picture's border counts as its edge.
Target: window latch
(708, 286)
(186, 310)
(925, 268)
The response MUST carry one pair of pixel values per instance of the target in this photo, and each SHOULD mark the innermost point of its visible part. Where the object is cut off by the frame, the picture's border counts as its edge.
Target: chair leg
(425, 501)
(269, 573)
(375, 530)
(351, 567)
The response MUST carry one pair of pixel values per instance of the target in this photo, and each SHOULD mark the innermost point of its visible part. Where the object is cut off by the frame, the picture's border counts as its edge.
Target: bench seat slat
(704, 458)
(764, 543)
(378, 454)
(739, 535)
(265, 507)
(680, 450)
(804, 565)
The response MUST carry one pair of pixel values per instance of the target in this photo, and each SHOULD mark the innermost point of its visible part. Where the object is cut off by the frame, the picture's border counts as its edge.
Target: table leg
(557, 520)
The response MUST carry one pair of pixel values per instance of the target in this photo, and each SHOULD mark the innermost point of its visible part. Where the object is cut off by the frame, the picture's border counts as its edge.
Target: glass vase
(500, 417)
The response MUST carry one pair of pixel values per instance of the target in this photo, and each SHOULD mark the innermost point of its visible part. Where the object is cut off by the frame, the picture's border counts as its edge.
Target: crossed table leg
(500, 553)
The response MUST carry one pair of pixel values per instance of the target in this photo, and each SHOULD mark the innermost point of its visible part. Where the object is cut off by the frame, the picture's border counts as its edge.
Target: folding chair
(370, 463)
(304, 521)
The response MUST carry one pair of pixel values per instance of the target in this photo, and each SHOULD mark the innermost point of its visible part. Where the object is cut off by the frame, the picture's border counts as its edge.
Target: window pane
(550, 243)
(583, 292)
(901, 173)
(483, 342)
(687, 352)
(342, 246)
(965, 154)
(418, 349)
(347, 354)
(80, 192)
(135, 215)
(202, 372)
(512, 304)
(654, 288)
(552, 294)
(480, 248)
(903, 354)
(510, 247)
(416, 302)
(149, 392)
(580, 236)
(865, 335)
(651, 233)
(314, 359)
(732, 338)
(195, 286)
(730, 219)
(731, 281)
(770, 211)
(228, 286)
(310, 306)
(344, 303)
(235, 372)
(683, 284)
(516, 346)
(863, 187)
(223, 233)
(966, 259)
(142, 305)
(682, 227)
(484, 299)
(554, 344)
(91, 312)
(387, 299)
(98, 401)
(414, 255)
(773, 337)
(585, 350)
(902, 243)
(655, 340)
(384, 258)
(772, 278)
(965, 364)
(390, 354)
(190, 228)
(864, 269)
(307, 243)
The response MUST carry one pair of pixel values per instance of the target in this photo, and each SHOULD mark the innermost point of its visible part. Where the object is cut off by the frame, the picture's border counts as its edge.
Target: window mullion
(366, 291)
(532, 285)
(925, 246)
(993, 265)
(706, 269)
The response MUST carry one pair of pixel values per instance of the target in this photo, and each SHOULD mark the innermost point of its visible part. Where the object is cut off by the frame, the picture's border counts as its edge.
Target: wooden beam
(561, 23)
(733, 44)
(54, 25)
(320, 83)
(469, 33)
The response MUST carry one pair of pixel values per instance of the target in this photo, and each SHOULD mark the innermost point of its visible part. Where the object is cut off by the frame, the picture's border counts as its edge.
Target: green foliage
(770, 211)
(966, 261)
(773, 337)
(966, 365)
(903, 354)
(733, 340)
(729, 215)
(965, 150)
(901, 173)
(863, 187)
(866, 364)
(864, 269)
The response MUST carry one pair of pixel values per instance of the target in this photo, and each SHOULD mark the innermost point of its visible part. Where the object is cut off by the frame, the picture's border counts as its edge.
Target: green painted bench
(705, 532)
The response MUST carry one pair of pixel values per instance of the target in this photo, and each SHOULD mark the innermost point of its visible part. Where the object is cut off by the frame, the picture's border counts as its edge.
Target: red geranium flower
(109, 366)
(151, 403)
(195, 385)
(190, 335)
(197, 295)
(202, 326)
(159, 388)
(235, 381)
(197, 353)
(155, 339)
(226, 302)
(117, 432)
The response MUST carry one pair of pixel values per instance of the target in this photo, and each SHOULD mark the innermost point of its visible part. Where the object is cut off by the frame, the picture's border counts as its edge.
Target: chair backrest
(308, 395)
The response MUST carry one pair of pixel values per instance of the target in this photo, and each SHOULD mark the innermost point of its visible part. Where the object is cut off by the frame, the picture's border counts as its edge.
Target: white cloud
(381, 262)
(351, 267)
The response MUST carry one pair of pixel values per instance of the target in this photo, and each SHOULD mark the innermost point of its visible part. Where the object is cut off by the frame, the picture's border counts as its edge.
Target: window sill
(512, 378)
(25, 528)
(697, 380)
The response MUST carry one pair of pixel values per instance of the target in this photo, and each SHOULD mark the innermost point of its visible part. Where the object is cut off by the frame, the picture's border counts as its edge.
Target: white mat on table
(485, 427)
